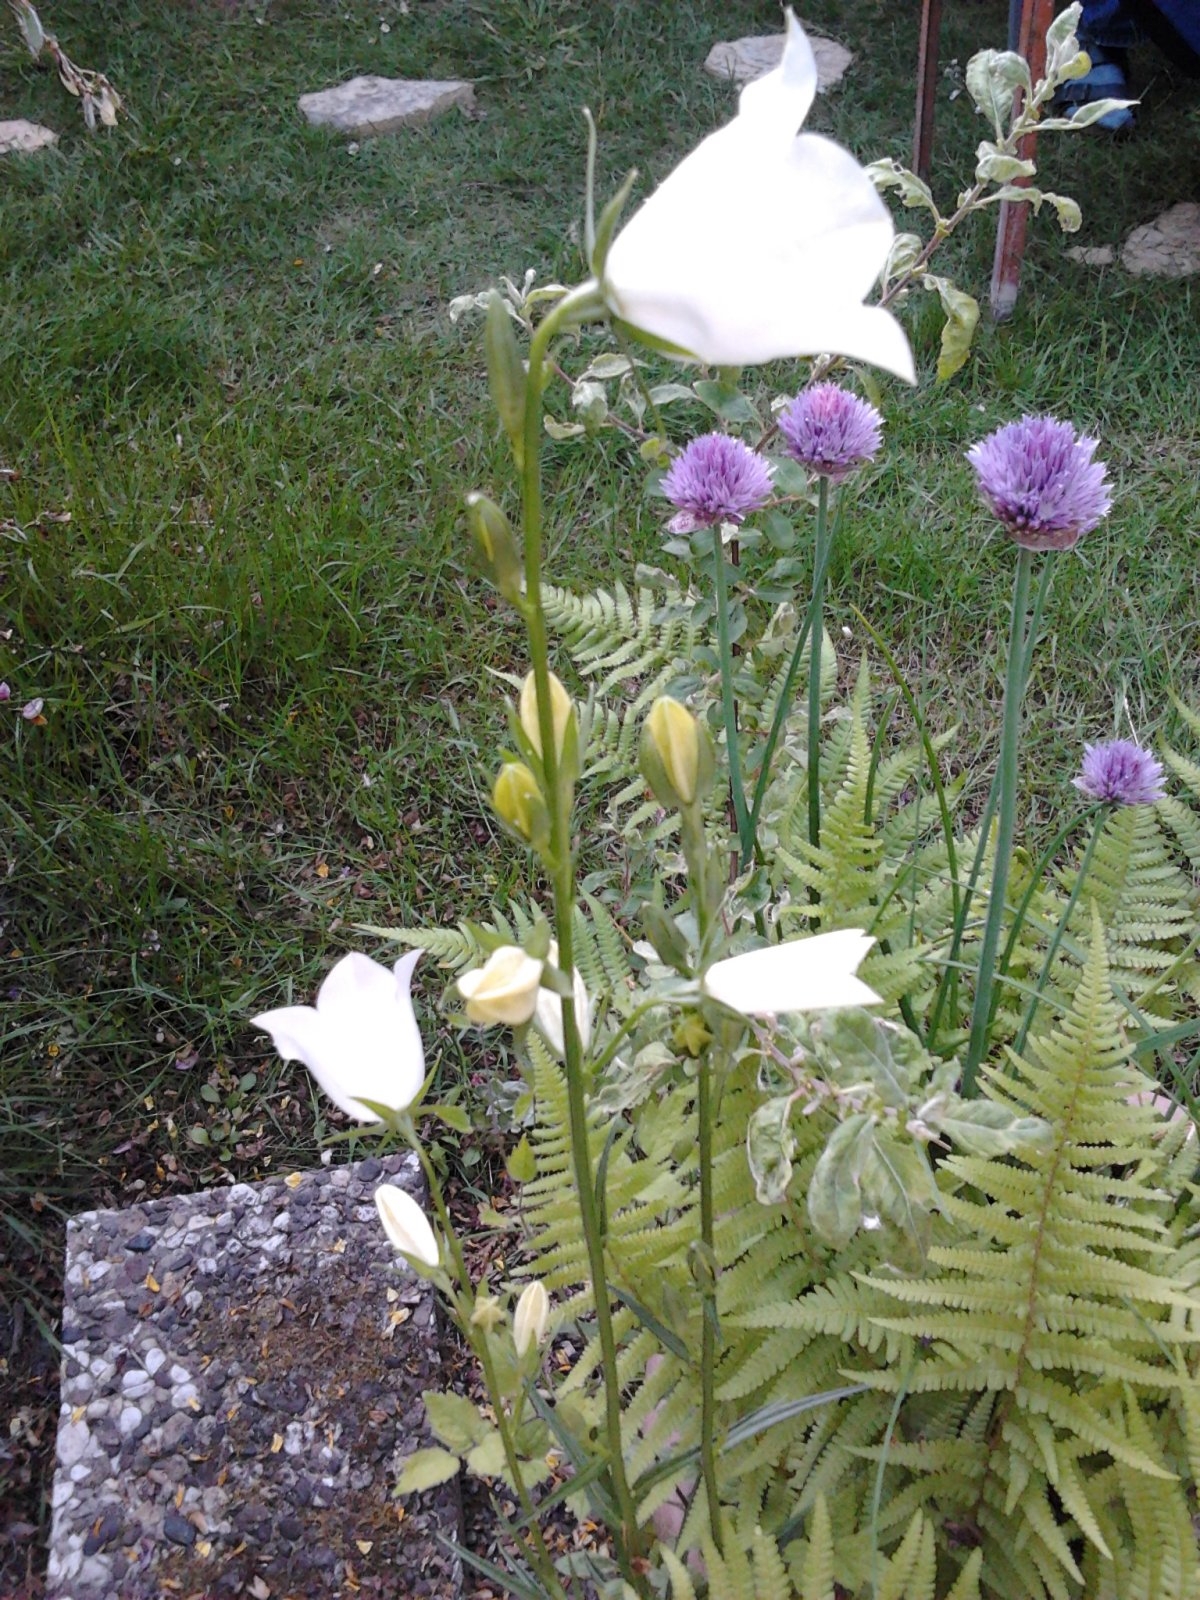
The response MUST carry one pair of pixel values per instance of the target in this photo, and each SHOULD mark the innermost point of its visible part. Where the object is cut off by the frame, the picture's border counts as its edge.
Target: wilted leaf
(962, 318)
(992, 78)
(770, 1146)
(455, 1420)
(913, 191)
(983, 1128)
(425, 1469)
(834, 1193)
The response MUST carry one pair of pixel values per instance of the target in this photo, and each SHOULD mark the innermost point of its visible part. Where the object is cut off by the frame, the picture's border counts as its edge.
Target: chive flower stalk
(1040, 480)
(831, 433)
(1120, 773)
(716, 479)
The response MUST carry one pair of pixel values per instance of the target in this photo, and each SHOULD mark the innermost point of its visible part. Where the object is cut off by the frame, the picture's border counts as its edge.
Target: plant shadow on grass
(240, 426)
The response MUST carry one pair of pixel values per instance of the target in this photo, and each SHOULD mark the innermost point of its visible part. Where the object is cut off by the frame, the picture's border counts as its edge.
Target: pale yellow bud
(561, 713)
(532, 1316)
(519, 804)
(504, 989)
(676, 738)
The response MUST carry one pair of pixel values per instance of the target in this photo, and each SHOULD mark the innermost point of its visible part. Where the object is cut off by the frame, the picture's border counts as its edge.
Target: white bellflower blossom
(763, 242)
(360, 1039)
(815, 973)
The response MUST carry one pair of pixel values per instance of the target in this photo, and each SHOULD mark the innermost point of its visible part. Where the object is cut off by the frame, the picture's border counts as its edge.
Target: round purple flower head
(1039, 478)
(1120, 772)
(831, 431)
(716, 479)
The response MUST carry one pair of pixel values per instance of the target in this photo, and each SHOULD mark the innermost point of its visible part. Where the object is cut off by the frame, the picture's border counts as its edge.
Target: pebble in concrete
(236, 1394)
(22, 138)
(369, 105)
(743, 60)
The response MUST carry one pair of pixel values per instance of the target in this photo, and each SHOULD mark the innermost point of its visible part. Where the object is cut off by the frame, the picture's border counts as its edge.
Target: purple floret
(1039, 478)
(716, 479)
(1121, 773)
(831, 431)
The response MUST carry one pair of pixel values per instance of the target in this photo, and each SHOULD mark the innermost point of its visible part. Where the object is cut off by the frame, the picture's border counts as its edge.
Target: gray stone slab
(370, 105)
(1168, 247)
(242, 1368)
(743, 60)
(22, 138)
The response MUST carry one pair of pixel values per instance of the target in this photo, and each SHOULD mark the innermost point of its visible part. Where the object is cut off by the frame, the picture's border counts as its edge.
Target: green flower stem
(1060, 930)
(784, 704)
(580, 305)
(737, 792)
(1006, 805)
(696, 851)
(478, 1339)
(948, 983)
(817, 631)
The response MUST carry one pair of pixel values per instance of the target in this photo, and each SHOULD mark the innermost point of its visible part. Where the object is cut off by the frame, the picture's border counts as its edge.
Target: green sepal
(506, 375)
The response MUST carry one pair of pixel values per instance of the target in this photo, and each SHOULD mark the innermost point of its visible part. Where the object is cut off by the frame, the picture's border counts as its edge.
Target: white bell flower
(548, 1016)
(405, 1224)
(361, 1038)
(815, 973)
(504, 989)
(763, 242)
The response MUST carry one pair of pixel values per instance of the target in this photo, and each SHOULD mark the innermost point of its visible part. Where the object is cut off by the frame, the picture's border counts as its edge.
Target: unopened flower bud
(506, 374)
(405, 1224)
(504, 989)
(518, 803)
(532, 1316)
(676, 754)
(562, 711)
(495, 546)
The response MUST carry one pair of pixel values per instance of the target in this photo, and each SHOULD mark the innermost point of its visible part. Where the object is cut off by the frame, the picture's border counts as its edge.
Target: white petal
(548, 1017)
(362, 1038)
(806, 974)
(405, 1224)
(761, 245)
(779, 101)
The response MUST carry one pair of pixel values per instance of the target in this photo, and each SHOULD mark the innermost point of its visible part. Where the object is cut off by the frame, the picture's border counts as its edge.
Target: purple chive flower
(831, 431)
(1039, 478)
(1120, 772)
(716, 479)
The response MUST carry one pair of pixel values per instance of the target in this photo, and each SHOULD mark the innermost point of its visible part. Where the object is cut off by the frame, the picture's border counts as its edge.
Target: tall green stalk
(784, 703)
(948, 982)
(737, 792)
(1006, 806)
(696, 852)
(574, 307)
(817, 634)
(1060, 930)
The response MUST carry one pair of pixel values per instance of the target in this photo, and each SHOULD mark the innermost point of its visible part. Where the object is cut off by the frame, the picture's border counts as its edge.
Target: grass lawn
(235, 427)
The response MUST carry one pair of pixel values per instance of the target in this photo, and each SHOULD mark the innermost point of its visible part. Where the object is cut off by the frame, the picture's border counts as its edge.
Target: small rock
(153, 1359)
(371, 105)
(105, 1531)
(1093, 255)
(140, 1242)
(743, 60)
(73, 1441)
(1168, 247)
(129, 1420)
(178, 1529)
(23, 138)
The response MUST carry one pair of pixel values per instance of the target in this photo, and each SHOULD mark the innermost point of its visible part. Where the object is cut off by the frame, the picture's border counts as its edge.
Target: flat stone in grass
(22, 138)
(242, 1368)
(370, 105)
(743, 60)
(1168, 247)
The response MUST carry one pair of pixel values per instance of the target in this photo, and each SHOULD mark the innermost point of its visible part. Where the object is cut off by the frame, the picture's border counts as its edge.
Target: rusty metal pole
(927, 66)
(1032, 18)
